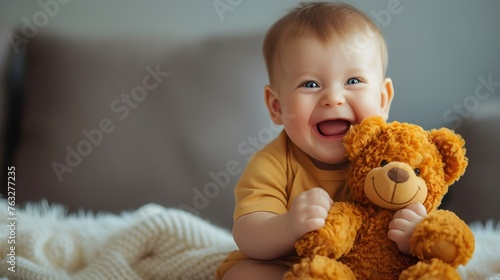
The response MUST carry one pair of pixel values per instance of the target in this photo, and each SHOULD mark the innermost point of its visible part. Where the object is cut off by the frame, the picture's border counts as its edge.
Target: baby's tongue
(333, 127)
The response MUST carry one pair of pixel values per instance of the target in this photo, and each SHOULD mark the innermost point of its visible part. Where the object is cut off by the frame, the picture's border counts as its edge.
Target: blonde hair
(328, 22)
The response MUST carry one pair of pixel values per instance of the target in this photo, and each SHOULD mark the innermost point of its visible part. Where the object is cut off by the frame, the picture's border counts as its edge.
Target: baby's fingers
(418, 208)
(310, 218)
(396, 235)
(318, 196)
(401, 224)
(313, 224)
(412, 212)
(315, 211)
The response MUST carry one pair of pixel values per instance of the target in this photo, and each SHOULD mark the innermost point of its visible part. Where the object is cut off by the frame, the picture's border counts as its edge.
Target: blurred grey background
(208, 115)
(437, 49)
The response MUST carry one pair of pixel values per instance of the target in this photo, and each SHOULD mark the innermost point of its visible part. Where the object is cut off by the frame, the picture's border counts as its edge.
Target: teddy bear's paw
(443, 235)
(320, 268)
(432, 270)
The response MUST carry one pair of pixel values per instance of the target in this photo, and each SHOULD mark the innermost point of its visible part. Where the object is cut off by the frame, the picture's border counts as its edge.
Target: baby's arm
(266, 235)
(404, 223)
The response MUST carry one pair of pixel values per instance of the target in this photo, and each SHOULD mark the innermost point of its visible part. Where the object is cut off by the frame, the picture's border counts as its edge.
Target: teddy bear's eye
(383, 162)
(417, 171)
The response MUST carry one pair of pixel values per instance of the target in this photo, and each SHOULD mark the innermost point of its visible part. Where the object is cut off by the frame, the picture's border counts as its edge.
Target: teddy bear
(391, 166)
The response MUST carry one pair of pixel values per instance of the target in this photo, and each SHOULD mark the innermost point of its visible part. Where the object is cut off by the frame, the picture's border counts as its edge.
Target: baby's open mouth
(333, 127)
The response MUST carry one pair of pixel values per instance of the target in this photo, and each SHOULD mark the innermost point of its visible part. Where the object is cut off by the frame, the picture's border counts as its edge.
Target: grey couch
(112, 124)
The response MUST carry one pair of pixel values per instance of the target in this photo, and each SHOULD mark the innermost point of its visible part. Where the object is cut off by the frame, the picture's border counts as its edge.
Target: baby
(326, 64)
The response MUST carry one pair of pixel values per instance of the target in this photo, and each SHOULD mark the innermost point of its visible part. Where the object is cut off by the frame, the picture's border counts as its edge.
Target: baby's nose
(398, 175)
(333, 98)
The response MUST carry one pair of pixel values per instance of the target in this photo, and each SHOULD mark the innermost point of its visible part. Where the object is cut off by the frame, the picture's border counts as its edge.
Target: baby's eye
(310, 84)
(353, 81)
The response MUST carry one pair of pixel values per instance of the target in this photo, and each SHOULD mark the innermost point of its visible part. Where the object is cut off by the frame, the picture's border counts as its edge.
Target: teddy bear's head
(395, 164)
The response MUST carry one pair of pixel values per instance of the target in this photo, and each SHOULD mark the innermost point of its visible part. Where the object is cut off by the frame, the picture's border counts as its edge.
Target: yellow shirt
(273, 177)
(279, 172)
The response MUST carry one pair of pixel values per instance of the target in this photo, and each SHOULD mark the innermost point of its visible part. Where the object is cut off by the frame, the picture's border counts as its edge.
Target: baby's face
(322, 89)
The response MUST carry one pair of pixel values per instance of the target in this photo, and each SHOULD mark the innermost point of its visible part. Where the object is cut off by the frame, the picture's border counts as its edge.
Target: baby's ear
(361, 135)
(451, 146)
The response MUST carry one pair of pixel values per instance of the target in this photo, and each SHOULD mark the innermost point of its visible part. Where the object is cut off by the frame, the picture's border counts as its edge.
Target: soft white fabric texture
(485, 264)
(150, 243)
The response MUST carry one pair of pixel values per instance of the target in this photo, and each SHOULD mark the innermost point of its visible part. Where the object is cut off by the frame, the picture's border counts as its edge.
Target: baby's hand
(404, 223)
(309, 211)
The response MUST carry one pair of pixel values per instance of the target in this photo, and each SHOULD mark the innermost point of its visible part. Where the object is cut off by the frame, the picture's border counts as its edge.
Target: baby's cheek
(366, 105)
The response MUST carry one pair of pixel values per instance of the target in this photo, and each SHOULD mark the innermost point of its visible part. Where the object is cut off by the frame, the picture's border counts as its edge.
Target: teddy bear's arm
(443, 235)
(337, 236)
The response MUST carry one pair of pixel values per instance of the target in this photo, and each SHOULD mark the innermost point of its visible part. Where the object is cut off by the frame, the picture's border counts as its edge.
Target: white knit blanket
(150, 243)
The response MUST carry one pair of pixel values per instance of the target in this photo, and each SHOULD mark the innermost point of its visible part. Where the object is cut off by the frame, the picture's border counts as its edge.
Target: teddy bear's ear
(452, 148)
(360, 135)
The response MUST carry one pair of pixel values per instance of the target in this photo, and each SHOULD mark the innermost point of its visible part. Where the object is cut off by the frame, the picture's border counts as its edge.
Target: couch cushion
(112, 124)
(475, 197)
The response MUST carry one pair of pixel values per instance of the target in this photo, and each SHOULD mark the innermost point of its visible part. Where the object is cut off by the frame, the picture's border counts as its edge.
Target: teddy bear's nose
(398, 175)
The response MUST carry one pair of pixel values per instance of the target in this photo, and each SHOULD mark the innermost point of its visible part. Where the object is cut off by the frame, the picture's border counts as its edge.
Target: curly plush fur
(392, 165)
